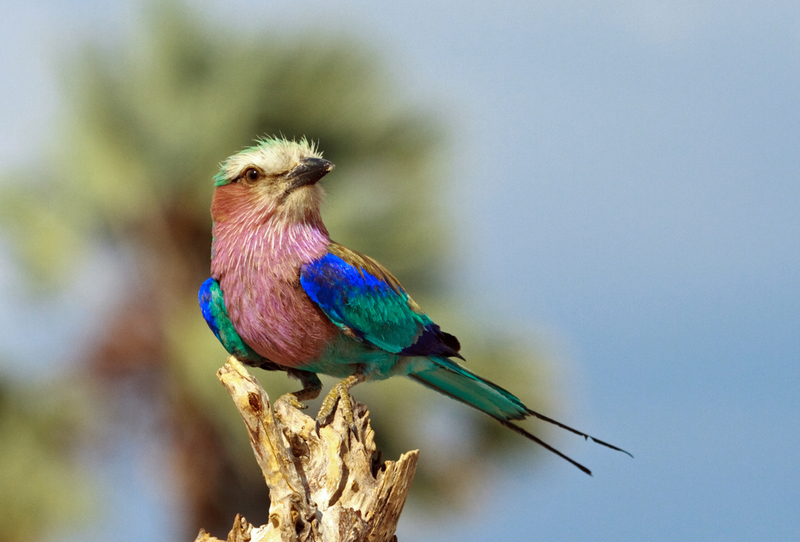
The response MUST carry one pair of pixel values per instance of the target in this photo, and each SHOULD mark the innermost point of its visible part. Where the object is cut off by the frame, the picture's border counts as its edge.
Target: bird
(284, 296)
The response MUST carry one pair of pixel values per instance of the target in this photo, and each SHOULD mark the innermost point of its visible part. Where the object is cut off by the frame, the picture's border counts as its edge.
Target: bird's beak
(309, 171)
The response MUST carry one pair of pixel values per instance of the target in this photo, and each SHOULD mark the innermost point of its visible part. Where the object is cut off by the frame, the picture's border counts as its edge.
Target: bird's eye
(251, 175)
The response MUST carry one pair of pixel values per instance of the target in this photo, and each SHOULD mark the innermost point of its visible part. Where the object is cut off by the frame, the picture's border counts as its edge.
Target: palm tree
(145, 129)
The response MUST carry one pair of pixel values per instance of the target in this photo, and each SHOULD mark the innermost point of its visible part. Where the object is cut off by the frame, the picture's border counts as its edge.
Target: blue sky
(627, 181)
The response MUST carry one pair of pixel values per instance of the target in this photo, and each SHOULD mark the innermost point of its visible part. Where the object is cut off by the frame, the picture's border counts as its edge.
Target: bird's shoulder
(365, 265)
(342, 271)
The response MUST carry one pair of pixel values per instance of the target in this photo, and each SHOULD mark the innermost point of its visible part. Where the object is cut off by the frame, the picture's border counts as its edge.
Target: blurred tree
(144, 129)
(39, 475)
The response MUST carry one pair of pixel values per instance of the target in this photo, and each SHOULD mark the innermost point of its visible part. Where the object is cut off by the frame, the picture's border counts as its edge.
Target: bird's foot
(292, 400)
(339, 393)
(311, 388)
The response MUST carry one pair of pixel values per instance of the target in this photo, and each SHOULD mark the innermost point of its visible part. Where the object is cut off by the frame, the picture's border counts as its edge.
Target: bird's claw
(291, 400)
(338, 394)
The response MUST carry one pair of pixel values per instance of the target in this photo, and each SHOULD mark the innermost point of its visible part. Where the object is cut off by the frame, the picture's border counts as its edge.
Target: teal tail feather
(455, 381)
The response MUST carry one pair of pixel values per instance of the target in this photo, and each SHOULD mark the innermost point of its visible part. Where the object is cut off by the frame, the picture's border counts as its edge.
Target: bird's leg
(311, 388)
(340, 392)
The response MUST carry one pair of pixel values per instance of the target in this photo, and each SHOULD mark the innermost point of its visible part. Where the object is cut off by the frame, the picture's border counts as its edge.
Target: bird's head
(275, 178)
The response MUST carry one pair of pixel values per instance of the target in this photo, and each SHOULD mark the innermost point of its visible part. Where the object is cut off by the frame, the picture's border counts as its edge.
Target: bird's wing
(212, 303)
(365, 301)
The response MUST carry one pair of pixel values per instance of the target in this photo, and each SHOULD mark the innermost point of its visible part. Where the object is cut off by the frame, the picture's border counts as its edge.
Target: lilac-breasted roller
(284, 296)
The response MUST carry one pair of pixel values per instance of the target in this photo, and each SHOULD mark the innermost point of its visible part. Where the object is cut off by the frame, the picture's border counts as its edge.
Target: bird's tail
(455, 381)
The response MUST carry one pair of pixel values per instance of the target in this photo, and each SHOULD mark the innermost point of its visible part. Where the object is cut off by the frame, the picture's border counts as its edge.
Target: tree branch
(329, 486)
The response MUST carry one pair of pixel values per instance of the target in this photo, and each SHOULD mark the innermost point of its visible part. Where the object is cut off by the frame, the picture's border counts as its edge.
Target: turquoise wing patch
(366, 305)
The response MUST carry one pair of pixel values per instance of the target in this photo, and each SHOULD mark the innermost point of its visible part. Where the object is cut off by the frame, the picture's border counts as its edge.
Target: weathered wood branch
(329, 486)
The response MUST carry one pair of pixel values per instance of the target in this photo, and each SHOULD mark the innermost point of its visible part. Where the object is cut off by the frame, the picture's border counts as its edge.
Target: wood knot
(254, 400)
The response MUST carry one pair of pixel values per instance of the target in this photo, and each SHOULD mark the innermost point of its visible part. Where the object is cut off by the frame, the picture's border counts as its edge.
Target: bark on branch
(331, 486)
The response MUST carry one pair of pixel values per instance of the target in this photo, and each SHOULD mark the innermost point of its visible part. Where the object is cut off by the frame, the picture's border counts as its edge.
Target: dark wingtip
(434, 342)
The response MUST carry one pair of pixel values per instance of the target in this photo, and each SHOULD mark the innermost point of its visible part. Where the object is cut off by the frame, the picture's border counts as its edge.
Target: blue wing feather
(368, 303)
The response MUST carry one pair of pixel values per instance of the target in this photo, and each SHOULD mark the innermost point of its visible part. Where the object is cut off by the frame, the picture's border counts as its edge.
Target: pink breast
(277, 319)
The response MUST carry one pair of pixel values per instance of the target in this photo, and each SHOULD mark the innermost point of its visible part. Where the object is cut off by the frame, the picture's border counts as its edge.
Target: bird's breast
(277, 319)
(259, 273)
